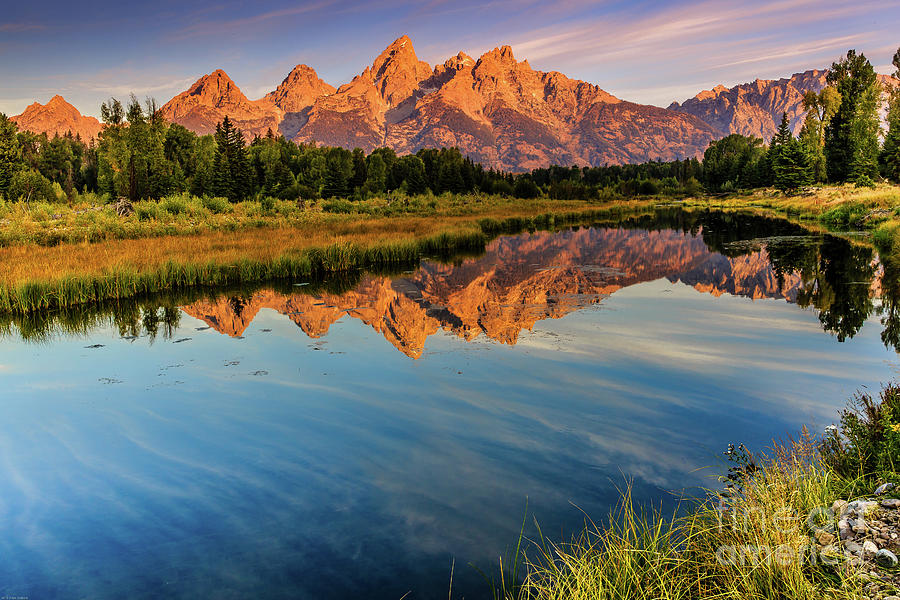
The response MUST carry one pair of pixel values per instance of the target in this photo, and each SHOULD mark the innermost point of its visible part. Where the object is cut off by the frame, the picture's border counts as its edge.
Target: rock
(884, 488)
(859, 526)
(402, 102)
(844, 529)
(860, 507)
(892, 598)
(824, 538)
(123, 207)
(892, 503)
(869, 548)
(853, 548)
(886, 558)
(838, 507)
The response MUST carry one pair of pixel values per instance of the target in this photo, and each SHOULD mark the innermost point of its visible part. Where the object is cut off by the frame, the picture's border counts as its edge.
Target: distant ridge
(57, 117)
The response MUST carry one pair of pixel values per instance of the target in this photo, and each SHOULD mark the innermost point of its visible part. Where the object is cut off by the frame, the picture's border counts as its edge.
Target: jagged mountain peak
(496, 109)
(299, 90)
(57, 117)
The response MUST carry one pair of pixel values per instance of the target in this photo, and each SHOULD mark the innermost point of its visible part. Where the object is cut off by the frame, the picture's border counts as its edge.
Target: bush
(175, 205)
(31, 186)
(338, 205)
(846, 214)
(864, 181)
(217, 205)
(867, 443)
(148, 210)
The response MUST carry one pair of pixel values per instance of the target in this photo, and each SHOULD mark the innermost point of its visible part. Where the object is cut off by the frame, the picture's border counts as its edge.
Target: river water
(360, 438)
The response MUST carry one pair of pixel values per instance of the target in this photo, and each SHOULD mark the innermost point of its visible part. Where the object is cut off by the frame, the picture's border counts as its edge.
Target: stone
(844, 529)
(853, 548)
(886, 558)
(824, 538)
(869, 548)
(892, 503)
(838, 507)
(884, 488)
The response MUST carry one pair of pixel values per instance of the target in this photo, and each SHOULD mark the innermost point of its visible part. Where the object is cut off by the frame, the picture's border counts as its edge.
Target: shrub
(867, 442)
(31, 186)
(148, 210)
(175, 205)
(217, 205)
(864, 181)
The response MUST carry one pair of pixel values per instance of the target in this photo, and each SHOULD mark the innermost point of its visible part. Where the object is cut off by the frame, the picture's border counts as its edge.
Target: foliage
(735, 162)
(10, 154)
(889, 158)
(867, 443)
(789, 161)
(851, 136)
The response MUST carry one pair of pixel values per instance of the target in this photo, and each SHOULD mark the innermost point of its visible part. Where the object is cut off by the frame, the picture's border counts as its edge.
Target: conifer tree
(791, 167)
(10, 153)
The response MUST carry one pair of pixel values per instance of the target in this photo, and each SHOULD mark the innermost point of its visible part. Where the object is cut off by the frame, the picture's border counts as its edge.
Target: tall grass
(50, 278)
(751, 543)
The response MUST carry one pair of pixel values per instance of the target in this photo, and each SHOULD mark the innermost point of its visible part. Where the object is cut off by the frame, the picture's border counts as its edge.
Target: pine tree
(10, 153)
(791, 167)
(231, 173)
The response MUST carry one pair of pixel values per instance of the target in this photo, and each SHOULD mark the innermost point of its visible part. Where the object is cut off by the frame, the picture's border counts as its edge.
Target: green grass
(750, 544)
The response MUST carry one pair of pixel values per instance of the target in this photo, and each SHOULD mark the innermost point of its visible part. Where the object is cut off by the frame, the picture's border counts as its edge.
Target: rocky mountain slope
(57, 117)
(755, 109)
(498, 110)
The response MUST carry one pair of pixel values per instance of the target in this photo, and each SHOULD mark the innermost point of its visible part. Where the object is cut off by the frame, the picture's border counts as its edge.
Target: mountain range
(497, 110)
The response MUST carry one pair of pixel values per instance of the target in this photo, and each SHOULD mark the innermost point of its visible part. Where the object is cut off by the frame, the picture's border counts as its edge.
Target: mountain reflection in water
(526, 278)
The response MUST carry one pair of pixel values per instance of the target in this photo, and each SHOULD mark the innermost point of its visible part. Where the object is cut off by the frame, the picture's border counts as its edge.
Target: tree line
(139, 155)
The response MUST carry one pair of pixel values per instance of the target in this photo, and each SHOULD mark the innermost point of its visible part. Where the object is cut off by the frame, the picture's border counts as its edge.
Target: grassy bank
(772, 532)
(55, 256)
(34, 278)
(835, 208)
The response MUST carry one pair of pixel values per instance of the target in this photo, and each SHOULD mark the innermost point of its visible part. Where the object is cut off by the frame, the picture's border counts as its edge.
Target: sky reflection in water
(238, 456)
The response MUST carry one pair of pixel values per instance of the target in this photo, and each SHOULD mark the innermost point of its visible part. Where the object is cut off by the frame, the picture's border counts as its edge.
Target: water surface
(353, 438)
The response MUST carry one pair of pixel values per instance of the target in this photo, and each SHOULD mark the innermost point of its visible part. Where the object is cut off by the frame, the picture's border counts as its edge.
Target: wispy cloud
(224, 26)
(17, 27)
(138, 89)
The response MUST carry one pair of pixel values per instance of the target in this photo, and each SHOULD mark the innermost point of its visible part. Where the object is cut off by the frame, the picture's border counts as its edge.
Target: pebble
(825, 538)
(844, 529)
(884, 488)
(869, 548)
(886, 558)
(891, 503)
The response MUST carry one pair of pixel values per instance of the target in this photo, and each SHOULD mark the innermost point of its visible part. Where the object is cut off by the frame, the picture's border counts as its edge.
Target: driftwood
(123, 207)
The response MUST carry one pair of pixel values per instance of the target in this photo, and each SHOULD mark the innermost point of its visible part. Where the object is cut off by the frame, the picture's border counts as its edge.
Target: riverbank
(812, 519)
(834, 207)
(57, 256)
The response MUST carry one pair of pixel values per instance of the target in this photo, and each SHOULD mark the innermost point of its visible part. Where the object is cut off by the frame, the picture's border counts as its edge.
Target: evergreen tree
(791, 168)
(231, 174)
(359, 169)
(10, 154)
(851, 136)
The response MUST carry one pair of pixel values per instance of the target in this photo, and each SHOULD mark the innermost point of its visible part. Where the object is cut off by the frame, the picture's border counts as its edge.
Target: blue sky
(651, 51)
